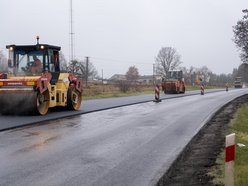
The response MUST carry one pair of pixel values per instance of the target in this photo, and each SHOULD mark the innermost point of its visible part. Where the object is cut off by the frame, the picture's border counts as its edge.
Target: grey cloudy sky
(116, 34)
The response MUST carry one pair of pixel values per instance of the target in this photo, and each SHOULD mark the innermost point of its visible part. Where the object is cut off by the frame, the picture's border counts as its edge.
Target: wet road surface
(131, 145)
(8, 122)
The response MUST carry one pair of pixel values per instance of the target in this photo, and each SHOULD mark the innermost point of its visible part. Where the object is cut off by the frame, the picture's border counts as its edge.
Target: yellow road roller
(34, 82)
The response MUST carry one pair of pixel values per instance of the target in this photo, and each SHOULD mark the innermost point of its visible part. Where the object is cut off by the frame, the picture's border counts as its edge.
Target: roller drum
(18, 103)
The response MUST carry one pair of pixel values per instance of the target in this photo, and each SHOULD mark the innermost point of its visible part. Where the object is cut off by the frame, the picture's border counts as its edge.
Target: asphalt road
(131, 145)
(9, 122)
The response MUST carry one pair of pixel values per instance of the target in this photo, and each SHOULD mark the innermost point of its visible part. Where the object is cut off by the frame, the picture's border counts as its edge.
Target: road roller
(34, 83)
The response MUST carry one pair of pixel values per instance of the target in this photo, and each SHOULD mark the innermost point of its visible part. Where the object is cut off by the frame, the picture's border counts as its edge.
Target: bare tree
(167, 59)
(189, 74)
(192, 74)
(241, 36)
(3, 62)
(132, 74)
(80, 68)
(73, 67)
(91, 72)
(206, 72)
(191, 70)
(186, 75)
(63, 63)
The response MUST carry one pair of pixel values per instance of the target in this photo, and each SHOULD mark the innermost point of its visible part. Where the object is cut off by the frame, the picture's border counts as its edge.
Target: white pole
(71, 33)
(230, 155)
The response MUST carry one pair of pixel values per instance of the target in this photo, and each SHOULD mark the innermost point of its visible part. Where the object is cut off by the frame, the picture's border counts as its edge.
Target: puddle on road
(29, 134)
(38, 146)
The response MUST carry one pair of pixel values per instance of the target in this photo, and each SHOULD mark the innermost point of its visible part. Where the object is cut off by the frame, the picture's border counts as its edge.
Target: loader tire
(73, 99)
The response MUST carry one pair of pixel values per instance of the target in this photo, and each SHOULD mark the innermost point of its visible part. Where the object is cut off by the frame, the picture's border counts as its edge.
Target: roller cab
(34, 82)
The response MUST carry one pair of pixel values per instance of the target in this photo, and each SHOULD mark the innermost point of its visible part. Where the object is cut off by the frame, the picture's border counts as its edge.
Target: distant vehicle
(174, 82)
(238, 82)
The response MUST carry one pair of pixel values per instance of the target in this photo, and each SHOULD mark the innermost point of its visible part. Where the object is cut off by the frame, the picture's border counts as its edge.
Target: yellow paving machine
(34, 82)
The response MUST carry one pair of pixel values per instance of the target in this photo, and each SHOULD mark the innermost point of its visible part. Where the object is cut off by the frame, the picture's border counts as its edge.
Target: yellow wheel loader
(34, 82)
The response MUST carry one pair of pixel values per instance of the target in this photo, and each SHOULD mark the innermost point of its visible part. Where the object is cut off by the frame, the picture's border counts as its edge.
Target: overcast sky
(116, 34)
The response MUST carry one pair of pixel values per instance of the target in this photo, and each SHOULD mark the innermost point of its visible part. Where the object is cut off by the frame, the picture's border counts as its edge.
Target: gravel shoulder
(200, 155)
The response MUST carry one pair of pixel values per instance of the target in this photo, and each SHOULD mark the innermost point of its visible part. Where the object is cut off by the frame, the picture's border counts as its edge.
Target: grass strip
(98, 92)
(239, 126)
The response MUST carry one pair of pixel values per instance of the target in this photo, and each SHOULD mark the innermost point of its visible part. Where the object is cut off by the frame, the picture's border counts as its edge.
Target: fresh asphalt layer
(13, 121)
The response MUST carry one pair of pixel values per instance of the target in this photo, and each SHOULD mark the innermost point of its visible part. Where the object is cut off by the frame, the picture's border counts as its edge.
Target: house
(142, 79)
(118, 77)
(148, 79)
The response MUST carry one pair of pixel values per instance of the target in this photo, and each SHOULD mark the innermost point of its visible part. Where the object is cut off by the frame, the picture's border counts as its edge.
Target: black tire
(73, 99)
(42, 103)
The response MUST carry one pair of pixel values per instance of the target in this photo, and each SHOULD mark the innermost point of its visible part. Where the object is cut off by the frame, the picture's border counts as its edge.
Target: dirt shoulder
(200, 155)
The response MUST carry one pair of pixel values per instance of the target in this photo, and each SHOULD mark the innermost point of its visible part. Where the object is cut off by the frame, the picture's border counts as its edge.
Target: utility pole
(71, 57)
(153, 74)
(102, 81)
(87, 70)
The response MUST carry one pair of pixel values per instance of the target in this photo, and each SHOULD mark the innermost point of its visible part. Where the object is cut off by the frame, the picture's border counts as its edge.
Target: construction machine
(34, 82)
(238, 82)
(174, 82)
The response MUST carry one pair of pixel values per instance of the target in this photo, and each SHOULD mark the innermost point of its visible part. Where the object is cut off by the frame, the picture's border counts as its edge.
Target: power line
(111, 60)
(122, 61)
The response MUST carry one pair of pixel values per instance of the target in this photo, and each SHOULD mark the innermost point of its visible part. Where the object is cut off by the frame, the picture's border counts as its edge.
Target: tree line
(240, 31)
(167, 59)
